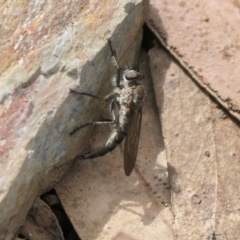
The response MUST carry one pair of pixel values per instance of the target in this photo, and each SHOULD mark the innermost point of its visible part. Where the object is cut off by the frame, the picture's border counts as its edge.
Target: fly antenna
(113, 54)
(141, 65)
(138, 67)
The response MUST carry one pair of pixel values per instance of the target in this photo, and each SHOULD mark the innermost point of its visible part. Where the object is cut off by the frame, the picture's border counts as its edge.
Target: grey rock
(46, 49)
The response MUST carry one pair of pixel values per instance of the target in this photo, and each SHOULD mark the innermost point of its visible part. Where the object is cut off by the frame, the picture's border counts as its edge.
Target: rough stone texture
(41, 223)
(226, 135)
(203, 35)
(46, 48)
(201, 142)
(122, 236)
(101, 201)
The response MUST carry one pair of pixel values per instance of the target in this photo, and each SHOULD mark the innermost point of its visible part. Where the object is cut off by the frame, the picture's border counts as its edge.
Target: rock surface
(204, 37)
(41, 223)
(201, 139)
(101, 201)
(46, 48)
(201, 142)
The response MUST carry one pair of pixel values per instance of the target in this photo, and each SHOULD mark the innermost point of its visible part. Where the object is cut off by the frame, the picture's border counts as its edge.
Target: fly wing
(132, 140)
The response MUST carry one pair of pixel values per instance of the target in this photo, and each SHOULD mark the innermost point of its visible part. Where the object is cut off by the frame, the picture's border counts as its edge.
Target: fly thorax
(138, 95)
(123, 120)
(126, 96)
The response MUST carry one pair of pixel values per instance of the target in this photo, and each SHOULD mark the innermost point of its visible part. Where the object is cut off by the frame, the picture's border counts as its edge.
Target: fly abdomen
(115, 138)
(139, 95)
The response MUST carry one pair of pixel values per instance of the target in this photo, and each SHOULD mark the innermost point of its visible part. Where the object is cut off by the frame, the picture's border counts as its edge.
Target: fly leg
(113, 53)
(92, 124)
(115, 138)
(109, 97)
(104, 99)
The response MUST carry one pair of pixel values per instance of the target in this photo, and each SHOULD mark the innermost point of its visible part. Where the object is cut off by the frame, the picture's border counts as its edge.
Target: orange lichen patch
(8, 56)
(21, 35)
(14, 51)
(91, 18)
(95, 19)
(33, 28)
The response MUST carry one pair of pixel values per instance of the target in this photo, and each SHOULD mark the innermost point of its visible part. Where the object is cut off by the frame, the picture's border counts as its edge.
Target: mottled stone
(203, 36)
(46, 48)
(202, 153)
(101, 201)
(41, 223)
(185, 113)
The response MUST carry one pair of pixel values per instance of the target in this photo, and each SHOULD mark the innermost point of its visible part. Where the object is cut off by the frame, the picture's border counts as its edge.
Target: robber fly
(128, 96)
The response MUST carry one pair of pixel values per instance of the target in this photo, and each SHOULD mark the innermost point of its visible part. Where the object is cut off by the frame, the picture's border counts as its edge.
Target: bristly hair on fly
(126, 102)
(114, 80)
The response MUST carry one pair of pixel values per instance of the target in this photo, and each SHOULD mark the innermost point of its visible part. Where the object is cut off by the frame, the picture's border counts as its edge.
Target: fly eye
(132, 75)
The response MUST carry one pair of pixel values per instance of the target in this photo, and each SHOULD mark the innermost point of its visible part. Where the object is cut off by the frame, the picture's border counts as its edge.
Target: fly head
(132, 77)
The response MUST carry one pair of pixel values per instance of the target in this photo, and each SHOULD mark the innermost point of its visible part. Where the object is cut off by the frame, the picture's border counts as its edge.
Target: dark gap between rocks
(54, 203)
(148, 38)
